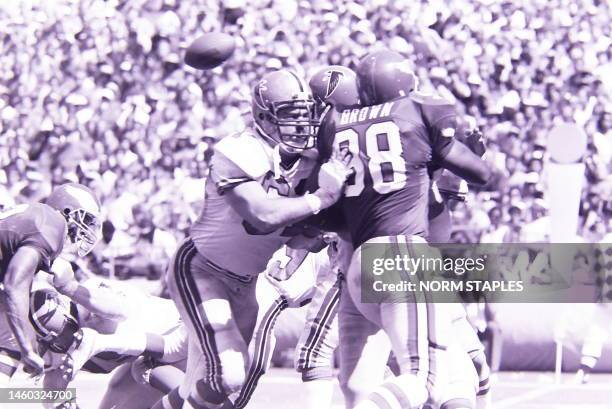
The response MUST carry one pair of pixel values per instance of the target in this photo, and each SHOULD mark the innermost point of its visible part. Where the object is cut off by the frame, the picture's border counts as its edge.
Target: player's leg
(468, 338)
(194, 367)
(315, 349)
(457, 382)
(161, 376)
(124, 392)
(593, 343)
(364, 349)
(405, 322)
(205, 303)
(263, 341)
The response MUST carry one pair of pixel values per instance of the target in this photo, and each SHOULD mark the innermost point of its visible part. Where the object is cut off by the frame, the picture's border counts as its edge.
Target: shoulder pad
(247, 152)
(52, 227)
(423, 98)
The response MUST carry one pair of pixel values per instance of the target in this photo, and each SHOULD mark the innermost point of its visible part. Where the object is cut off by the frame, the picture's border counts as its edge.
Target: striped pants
(319, 336)
(405, 324)
(219, 309)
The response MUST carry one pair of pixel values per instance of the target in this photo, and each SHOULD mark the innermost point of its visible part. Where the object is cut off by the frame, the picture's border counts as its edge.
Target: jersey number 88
(383, 148)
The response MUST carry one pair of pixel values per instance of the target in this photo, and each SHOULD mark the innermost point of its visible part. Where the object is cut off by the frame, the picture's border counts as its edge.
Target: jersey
(144, 313)
(37, 226)
(392, 145)
(220, 234)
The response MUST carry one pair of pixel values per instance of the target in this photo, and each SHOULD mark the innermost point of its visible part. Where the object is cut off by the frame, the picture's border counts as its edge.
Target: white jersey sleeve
(220, 234)
(237, 159)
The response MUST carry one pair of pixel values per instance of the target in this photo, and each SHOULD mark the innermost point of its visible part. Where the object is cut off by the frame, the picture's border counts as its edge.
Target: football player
(446, 187)
(31, 238)
(72, 337)
(391, 141)
(255, 188)
(313, 281)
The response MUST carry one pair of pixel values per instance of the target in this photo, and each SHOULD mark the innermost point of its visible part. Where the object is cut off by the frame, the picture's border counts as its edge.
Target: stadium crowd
(95, 91)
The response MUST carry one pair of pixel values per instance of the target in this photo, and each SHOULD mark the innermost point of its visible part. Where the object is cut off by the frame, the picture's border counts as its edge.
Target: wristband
(314, 202)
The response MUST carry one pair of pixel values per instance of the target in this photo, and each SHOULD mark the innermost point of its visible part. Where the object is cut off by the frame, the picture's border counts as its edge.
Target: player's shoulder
(48, 216)
(38, 219)
(429, 99)
(51, 224)
(433, 106)
(245, 151)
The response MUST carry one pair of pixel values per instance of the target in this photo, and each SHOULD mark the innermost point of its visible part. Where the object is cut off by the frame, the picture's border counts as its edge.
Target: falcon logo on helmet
(333, 80)
(335, 85)
(81, 209)
(258, 98)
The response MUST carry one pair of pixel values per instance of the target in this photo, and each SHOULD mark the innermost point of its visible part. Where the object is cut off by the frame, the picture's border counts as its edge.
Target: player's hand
(296, 294)
(332, 178)
(62, 274)
(474, 140)
(32, 363)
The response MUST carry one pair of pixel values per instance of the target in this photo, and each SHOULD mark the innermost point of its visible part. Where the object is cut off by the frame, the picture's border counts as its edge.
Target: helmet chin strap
(271, 141)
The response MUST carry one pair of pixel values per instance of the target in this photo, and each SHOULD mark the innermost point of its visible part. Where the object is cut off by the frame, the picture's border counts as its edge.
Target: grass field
(280, 389)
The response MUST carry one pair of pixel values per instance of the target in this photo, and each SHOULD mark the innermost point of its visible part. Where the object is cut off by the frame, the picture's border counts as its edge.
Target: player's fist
(62, 273)
(474, 139)
(294, 292)
(332, 178)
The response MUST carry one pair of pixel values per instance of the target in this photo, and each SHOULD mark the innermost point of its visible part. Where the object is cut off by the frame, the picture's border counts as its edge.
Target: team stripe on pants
(191, 300)
(420, 315)
(320, 327)
(261, 355)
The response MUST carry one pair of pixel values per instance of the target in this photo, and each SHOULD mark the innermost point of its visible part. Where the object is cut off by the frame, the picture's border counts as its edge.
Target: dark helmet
(284, 111)
(55, 320)
(335, 85)
(383, 76)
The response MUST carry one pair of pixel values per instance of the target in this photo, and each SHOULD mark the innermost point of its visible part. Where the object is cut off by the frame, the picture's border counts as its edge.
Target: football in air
(210, 50)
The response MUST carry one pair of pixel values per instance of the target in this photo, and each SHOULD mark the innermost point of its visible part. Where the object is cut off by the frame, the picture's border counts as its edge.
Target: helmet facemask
(83, 229)
(296, 123)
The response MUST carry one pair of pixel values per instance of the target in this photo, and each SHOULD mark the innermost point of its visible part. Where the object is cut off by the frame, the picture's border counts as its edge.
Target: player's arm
(99, 300)
(448, 151)
(17, 283)
(267, 214)
(460, 160)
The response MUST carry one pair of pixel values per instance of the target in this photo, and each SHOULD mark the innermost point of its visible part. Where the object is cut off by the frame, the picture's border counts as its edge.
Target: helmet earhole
(66, 211)
(261, 117)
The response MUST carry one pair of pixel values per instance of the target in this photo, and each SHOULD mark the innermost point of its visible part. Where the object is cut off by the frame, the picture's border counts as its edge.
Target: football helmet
(335, 85)
(383, 76)
(81, 209)
(284, 111)
(55, 321)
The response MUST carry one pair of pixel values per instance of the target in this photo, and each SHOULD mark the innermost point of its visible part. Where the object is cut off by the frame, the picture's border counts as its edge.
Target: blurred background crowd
(96, 92)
